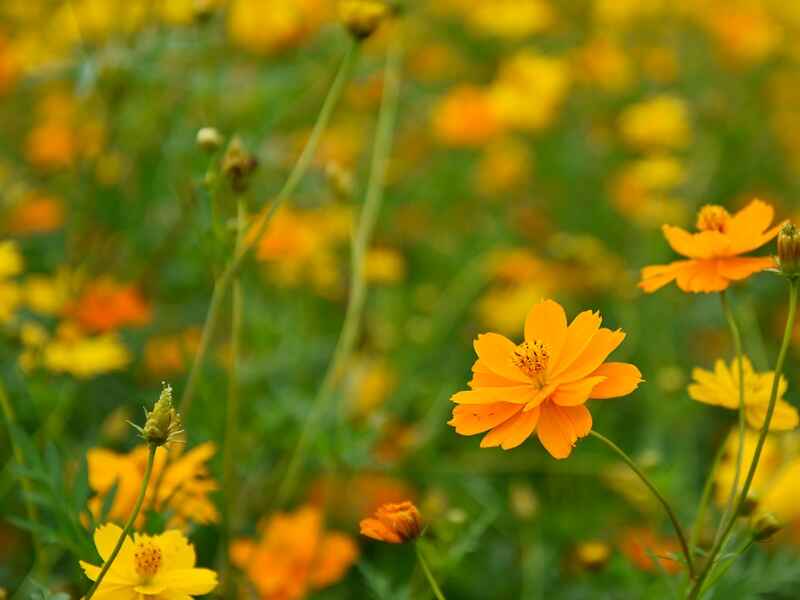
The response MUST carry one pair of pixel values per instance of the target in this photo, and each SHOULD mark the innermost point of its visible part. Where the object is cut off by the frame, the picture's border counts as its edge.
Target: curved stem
(737, 345)
(762, 438)
(670, 513)
(301, 166)
(358, 285)
(428, 574)
(129, 525)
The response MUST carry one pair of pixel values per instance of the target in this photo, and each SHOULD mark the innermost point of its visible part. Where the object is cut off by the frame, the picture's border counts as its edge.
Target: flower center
(531, 358)
(713, 217)
(146, 558)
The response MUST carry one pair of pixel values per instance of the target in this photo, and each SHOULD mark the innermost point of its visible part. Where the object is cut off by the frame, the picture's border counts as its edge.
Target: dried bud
(765, 526)
(209, 139)
(362, 17)
(237, 165)
(789, 250)
(393, 523)
(162, 424)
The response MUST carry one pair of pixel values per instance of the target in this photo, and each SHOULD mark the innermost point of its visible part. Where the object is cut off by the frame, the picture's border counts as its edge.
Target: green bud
(789, 250)
(765, 526)
(162, 424)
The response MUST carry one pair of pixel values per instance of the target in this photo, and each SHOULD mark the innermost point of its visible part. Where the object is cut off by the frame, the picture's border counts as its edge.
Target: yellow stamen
(146, 558)
(713, 217)
(531, 358)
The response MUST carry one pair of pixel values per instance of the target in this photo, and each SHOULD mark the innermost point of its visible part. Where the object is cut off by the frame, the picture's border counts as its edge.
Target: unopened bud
(765, 526)
(789, 250)
(362, 17)
(162, 424)
(238, 165)
(209, 139)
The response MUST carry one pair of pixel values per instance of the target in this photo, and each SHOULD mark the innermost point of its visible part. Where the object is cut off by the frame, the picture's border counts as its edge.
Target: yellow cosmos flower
(156, 567)
(720, 387)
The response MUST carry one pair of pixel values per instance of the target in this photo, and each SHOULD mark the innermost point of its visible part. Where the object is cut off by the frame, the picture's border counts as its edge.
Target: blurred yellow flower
(265, 28)
(772, 456)
(514, 19)
(721, 388)
(183, 490)
(603, 62)
(11, 264)
(506, 165)
(384, 265)
(84, 357)
(465, 117)
(646, 190)
(47, 294)
(159, 566)
(659, 122)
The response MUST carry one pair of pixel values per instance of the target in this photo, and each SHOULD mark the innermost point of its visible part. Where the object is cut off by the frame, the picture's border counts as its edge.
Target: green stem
(428, 574)
(33, 515)
(358, 287)
(721, 572)
(705, 499)
(762, 438)
(670, 513)
(129, 525)
(226, 279)
(737, 345)
(232, 413)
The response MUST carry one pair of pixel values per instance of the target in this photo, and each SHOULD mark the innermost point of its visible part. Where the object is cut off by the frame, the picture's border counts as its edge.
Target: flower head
(362, 17)
(159, 566)
(393, 523)
(789, 250)
(720, 387)
(543, 383)
(163, 424)
(714, 253)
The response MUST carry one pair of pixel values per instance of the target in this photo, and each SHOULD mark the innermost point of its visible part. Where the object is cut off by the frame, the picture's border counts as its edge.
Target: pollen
(531, 358)
(713, 217)
(147, 558)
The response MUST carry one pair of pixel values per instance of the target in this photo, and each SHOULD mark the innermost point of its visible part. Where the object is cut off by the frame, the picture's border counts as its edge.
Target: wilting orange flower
(393, 523)
(184, 487)
(106, 305)
(714, 254)
(641, 545)
(543, 383)
(294, 555)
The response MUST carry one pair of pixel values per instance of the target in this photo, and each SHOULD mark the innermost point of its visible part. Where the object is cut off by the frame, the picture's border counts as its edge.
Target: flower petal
(576, 392)
(561, 426)
(706, 244)
(518, 395)
(513, 432)
(601, 345)
(579, 333)
(547, 322)
(738, 268)
(784, 418)
(188, 581)
(702, 276)
(495, 352)
(621, 380)
(655, 277)
(469, 419)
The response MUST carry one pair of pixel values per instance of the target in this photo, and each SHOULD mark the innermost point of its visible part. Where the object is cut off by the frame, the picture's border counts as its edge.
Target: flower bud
(209, 139)
(162, 424)
(393, 523)
(238, 165)
(362, 17)
(789, 250)
(765, 526)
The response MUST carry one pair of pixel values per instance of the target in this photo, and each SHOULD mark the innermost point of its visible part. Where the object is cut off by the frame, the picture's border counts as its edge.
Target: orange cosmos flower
(106, 305)
(714, 254)
(393, 523)
(543, 383)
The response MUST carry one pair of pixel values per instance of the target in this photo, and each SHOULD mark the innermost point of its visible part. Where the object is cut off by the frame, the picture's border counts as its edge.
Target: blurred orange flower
(106, 305)
(543, 383)
(714, 254)
(36, 214)
(641, 545)
(393, 523)
(294, 555)
(465, 117)
(183, 490)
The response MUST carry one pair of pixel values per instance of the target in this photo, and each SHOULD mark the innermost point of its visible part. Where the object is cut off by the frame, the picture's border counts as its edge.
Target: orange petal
(579, 333)
(547, 322)
(577, 392)
(513, 432)
(469, 419)
(738, 268)
(602, 344)
(375, 529)
(657, 276)
(518, 395)
(561, 426)
(702, 276)
(705, 244)
(495, 351)
(752, 219)
(483, 377)
(621, 380)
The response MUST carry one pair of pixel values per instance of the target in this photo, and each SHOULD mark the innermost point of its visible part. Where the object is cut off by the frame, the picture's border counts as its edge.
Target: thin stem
(301, 166)
(719, 574)
(705, 498)
(762, 438)
(232, 412)
(129, 525)
(670, 513)
(428, 574)
(737, 345)
(358, 287)
(33, 514)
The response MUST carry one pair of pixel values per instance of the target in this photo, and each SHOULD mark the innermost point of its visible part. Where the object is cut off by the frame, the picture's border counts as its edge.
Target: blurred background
(540, 146)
